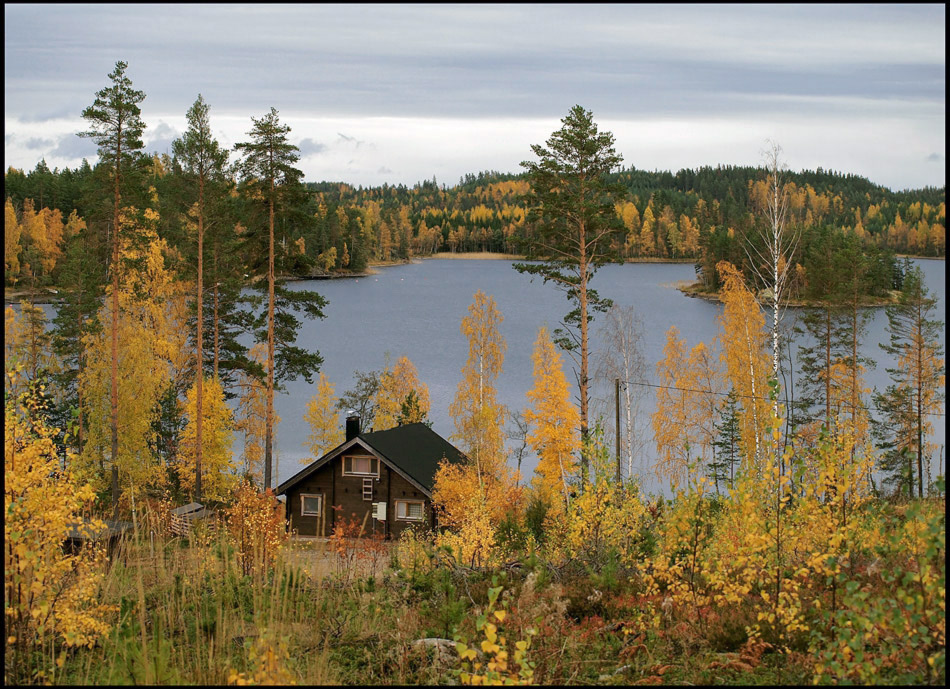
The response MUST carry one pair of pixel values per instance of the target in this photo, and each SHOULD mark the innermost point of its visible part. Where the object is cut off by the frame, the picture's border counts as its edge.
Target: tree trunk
(214, 270)
(114, 372)
(582, 299)
(269, 423)
(199, 418)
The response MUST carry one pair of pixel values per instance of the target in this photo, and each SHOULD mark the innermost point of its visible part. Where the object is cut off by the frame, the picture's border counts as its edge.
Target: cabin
(384, 478)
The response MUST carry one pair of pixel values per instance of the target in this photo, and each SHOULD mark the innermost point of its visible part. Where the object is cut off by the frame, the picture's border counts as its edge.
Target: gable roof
(413, 451)
(416, 450)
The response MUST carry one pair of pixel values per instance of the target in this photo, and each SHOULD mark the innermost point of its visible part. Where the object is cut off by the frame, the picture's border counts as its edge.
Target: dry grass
(318, 559)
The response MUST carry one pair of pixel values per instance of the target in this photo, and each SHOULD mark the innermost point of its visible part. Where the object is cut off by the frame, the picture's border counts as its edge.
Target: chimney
(352, 425)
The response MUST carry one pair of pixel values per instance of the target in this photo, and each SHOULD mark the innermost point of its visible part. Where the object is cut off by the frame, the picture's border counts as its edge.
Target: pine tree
(116, 126)
(202, 161)
(577, 230)
(269, 176)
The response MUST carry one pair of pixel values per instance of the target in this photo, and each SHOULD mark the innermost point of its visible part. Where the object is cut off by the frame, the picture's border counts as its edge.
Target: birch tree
(478, 416)
(553, 421)
(770, 256)
(621, 358)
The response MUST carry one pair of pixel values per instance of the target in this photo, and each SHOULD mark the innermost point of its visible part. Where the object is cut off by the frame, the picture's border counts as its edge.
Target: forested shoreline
(693, 214)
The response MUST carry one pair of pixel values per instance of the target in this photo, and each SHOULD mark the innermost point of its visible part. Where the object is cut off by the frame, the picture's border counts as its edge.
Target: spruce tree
(918, 380)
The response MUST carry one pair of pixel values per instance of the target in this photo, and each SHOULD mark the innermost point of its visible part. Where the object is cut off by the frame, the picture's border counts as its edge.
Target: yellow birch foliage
(11, 241)
(743, 349)
(553, 422)
(471, 542)
(257, 526)
(217, 461)
(686, 409)
(606, 518)
(50, 244)
(479, 417)
(472, 507)
(46, 591)
(323, 418)
(251, 417)
(147, 346)
(673, 427)
(395, 384)
(74, 225)
(268, 656)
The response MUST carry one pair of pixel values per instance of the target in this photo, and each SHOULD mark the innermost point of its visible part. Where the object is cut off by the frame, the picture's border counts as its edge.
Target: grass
(347, 612)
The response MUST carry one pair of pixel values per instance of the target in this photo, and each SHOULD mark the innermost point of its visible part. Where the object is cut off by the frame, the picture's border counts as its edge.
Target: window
(367, 489)
(360, 466)
(311, 505)
(410, 510)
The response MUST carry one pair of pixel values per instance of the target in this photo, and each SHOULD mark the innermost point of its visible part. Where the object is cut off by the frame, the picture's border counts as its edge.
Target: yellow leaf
(500, 614)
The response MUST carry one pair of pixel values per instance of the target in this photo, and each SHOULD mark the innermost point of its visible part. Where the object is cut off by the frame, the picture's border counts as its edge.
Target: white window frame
(402, 515)
(368, 488)
(303, 512)
(371, 459)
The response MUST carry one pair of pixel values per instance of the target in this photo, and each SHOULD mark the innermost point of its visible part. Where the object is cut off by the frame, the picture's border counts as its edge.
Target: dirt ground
(317, 557)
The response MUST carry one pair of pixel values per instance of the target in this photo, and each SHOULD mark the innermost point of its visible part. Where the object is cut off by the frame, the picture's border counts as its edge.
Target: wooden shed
(82, 533)
(383, 478)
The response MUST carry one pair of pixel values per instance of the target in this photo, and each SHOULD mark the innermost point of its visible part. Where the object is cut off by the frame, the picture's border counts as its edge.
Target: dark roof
(186, 509)
(413, 450)
(84, 531)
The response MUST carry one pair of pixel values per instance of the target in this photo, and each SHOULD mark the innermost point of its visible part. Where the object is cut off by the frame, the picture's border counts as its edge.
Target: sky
(401, 93)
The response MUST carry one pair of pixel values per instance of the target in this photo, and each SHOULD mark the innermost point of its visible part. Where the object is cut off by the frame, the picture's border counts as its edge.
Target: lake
(415, 310)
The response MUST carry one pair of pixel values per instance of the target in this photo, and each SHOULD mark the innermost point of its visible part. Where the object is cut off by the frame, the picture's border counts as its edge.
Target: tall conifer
(116, 125)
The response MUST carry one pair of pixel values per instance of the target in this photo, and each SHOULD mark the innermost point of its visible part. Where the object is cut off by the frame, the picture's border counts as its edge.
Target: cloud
(935, 158)
(161, 138)
(309, 147)
(74, 147)
(36, 143)
(383, 170)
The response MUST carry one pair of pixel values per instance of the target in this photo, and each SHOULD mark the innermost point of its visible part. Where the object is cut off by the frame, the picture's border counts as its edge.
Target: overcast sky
(402, 93)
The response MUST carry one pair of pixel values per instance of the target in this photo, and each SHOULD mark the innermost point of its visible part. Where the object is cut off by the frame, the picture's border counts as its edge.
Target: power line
(726, 394)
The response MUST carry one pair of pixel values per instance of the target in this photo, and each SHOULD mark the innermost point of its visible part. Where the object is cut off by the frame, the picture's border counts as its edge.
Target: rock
(444, 652)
